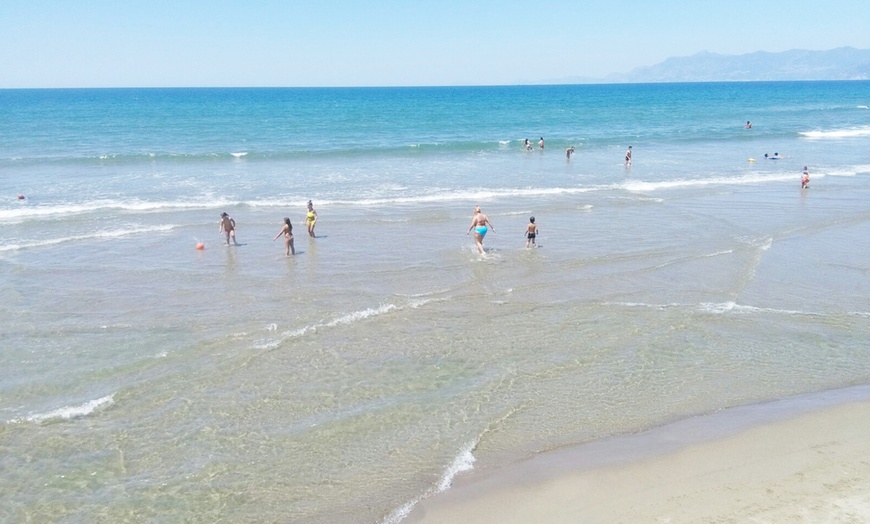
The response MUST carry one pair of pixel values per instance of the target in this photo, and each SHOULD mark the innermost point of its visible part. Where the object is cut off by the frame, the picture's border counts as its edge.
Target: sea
(146, 380)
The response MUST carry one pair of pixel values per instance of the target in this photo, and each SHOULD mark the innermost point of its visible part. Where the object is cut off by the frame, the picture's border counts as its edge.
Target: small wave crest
(848, 170)
(51, 211)
(471, 195)
(464, 461)
(837, 133)
(642, 186)
(349, 318)
(69, 412)
(733, 307)
(117, 233)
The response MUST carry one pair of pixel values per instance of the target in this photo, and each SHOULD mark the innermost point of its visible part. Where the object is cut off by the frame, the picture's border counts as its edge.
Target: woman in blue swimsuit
(480, 224)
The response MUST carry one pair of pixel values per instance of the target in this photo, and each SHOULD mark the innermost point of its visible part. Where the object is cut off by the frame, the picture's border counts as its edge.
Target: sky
(271, 43)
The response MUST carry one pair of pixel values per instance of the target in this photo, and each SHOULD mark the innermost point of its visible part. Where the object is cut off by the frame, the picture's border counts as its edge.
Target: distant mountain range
(843, 63)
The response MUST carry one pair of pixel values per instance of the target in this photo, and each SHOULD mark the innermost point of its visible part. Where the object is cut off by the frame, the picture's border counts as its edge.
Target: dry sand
(803, 467)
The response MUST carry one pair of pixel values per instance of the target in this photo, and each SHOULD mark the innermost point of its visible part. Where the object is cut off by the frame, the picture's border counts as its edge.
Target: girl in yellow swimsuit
(311, 219)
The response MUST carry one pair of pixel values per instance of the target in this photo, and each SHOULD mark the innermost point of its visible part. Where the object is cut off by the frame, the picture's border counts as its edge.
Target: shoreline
(801, 458)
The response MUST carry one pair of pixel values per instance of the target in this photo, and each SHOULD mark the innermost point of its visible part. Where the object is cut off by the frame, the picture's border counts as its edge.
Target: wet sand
(799, 460)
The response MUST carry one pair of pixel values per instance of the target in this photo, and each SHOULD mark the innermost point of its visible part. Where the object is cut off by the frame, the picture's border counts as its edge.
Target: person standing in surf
(480, 223)
(805, 178)
(531, 233)
(228, 228)
(311, 219)
(628, 157)
(287, 231)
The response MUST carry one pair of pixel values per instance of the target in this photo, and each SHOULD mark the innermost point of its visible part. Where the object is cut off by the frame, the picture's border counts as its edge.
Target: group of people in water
(227, 227)
(528, 145)
(805, 176)
(569, 151)
(481, 224)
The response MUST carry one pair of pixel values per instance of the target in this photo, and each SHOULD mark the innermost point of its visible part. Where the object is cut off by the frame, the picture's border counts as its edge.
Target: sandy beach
(804, 465)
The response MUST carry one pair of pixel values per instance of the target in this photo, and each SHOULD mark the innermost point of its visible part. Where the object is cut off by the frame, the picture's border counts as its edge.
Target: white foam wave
(361, 315)
(863, 107)
(400, 513)
(239, 155)
(716, 308)
(847, 171)
(471, 195)
(350, 318)
(48, 211)
(733, 307)
(70, 412)
(464, 461)
(117, 233)
(661, 307)
(428, 294)
(837, 133)
(641, 186)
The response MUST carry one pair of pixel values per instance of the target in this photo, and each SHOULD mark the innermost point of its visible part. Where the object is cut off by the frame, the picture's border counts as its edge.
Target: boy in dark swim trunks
(531, 233)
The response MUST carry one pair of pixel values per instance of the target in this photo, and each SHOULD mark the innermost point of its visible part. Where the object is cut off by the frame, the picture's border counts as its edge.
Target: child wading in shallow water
(228, 228)
(311, 219)
(287, 231)
(531, 233)
(805, 178)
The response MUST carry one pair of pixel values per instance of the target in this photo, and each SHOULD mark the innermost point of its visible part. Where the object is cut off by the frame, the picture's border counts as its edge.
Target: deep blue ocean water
(146, 380)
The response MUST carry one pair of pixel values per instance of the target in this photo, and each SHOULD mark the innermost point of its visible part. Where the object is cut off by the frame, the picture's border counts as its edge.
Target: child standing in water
(287, 231)
(228, 228)
(311, 219)
(805, 178)
(531, 233)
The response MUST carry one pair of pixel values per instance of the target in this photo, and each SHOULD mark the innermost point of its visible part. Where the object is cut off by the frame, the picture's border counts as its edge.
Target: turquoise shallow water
(145, 380)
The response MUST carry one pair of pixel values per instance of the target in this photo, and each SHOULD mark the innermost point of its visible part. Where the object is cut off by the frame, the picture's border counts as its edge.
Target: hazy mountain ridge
(843, 63)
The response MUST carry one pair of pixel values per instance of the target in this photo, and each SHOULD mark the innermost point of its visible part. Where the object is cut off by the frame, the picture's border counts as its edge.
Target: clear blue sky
(145, 43)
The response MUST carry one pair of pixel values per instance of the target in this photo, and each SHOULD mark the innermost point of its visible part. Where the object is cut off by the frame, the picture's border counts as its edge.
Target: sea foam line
(733, 307)
(48, 211)
(349, 318)
(847, 171)
(69, 412)
(640, 186)
(98, 235)
(837, 133)
(473, 195)
(716, 308)
(464, 461)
